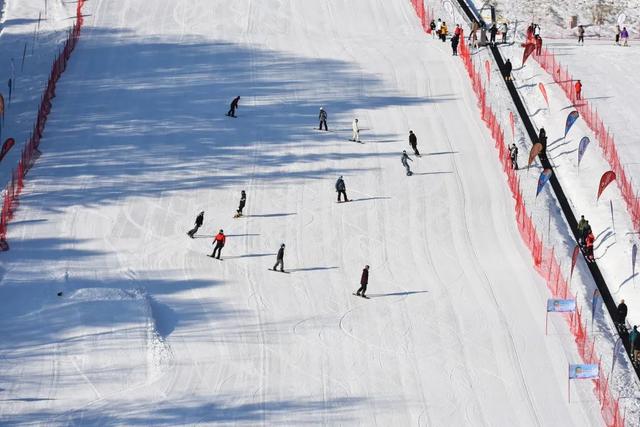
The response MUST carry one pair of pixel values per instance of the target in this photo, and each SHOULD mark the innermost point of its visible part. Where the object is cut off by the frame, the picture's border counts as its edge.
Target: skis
(238, 215)
(361, 296)
(343, 201)
(211, 256)
(278, 271)
(353, 140)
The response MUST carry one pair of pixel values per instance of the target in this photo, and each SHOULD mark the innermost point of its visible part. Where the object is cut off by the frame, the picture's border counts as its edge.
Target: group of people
(622, 35)
(586, 238)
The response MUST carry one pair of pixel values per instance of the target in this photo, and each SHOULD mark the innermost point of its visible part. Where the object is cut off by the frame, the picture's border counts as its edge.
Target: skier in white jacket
(356, 131)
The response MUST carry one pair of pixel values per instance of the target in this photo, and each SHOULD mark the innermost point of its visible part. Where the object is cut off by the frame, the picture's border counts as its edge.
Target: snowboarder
(588, 241)
(505, 28)
(233, 107)
(364, 281)
(538, 45)
(405, 162)
(341, 189)
(323, 119)
(622, 316)
(356, 131)
(580, 34)
(625, 36)
(618, 35)
(243, 201)
(513, 153)
(280, 259)
(432, 26)
(507, 70)
(454, 44)
(198, 224)
(219, 242)
(413, 141)
(578, 87)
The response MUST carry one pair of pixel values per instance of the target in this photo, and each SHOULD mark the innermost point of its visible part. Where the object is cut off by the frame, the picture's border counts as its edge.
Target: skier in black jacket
(413, 142)
(341, 188)
(454, 44)
(323, 119)
(280, 259)
(622, 316)
(198, 224)
(506, 71)
(233, 107)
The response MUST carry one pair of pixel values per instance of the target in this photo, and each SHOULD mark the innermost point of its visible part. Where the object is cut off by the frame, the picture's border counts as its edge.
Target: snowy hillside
(149, 330)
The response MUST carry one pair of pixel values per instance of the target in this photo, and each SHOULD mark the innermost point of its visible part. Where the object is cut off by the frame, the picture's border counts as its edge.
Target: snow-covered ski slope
(151, 331)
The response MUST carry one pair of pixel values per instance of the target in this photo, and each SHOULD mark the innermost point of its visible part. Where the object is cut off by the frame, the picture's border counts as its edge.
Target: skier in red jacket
(219, 241)
(589, 243)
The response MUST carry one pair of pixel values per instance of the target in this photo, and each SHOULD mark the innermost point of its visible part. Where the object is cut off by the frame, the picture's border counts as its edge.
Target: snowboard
(238, 215)
(345, 201)
(233, 117)
(361, 296)
(278, 271)
(219, 259)
(359, 142)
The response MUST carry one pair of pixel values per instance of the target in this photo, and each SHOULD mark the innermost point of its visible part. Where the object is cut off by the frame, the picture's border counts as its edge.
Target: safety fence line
(30, 153)
(545, 261)
(563, 78)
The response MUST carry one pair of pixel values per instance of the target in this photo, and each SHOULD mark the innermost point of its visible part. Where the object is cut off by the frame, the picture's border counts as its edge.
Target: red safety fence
(563, 78)
(425, 14)
(544, 258)
(30, 152)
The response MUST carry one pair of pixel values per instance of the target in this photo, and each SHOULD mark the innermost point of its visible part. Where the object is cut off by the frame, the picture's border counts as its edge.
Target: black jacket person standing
(198, 224)
(413, 142)
(341, 188)
(323, 119)
(280, 259)
(243, 201)
(364, 281)
(233, 107)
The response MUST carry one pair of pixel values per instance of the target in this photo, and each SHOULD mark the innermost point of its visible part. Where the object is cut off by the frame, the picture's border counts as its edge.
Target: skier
(218, 241)
(457, 31)
(438, 26)
(538, 45)
(625, 36)
(507, 70)
(233, 107)
(622, 316)
(341, 189)
(589, 244)
(454, 44)
(493, 31)
(364, 280)
(578, 90)
(243, 201)
(580, 34)
(513, 152)
(405, 162)
(432, 26)
(618, 35)
(356, 131)
(198, 224)
(280, 259)
(323, 119)
(505, 28)
(536, 30)
(413, 141)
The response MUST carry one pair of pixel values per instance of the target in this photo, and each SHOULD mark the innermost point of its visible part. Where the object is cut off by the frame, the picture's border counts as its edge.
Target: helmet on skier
(282, 245)
(404, 151)
(221, 231)
(321, 108)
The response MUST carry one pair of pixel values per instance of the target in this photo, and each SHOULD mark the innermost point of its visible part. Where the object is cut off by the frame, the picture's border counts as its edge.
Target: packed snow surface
(149, 330)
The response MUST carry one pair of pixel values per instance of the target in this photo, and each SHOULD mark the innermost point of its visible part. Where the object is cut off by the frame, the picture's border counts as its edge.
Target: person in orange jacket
(219, 241)
(589, 243)
(578, 90)
(444, 32)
